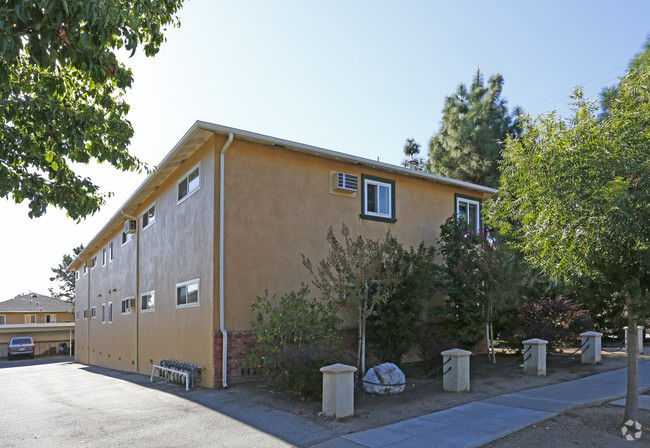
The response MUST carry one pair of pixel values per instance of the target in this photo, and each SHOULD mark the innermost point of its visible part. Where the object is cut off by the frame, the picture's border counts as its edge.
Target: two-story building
(224, 216)
(48, 321)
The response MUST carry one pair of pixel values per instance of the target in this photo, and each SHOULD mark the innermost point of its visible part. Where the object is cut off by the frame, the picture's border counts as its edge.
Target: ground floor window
(187, 294)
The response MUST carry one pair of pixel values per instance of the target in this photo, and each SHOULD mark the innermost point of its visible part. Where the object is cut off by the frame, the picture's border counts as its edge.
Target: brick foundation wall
(240, 343)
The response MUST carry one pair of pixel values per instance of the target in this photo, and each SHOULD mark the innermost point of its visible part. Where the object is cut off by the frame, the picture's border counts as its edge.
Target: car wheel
(32, 357)
(8, 357)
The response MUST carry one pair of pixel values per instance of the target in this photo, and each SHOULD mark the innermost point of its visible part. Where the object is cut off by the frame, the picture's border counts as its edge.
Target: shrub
(556, 320)
(431, 342)
(391, 329)
(297, 369)
(295, 321)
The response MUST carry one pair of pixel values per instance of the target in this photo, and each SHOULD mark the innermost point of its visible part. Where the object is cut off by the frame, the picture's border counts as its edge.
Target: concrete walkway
(475, 424)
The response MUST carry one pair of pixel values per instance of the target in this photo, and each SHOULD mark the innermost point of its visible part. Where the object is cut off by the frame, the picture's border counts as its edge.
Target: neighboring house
(50, 322)
(226, 215)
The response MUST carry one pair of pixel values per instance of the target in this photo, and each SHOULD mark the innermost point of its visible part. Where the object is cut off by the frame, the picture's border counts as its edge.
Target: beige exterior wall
(19, 318)
(279, 206)
(177, 247)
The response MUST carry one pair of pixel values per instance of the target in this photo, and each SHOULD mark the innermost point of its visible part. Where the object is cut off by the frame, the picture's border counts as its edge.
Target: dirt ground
(598, 425)
(581, 427)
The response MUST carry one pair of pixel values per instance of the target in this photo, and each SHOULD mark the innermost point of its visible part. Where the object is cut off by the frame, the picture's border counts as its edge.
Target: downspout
(137, 286)
(222, 308)
(88, 307)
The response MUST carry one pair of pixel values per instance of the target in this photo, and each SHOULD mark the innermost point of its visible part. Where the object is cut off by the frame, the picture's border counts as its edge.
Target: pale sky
(358, 77)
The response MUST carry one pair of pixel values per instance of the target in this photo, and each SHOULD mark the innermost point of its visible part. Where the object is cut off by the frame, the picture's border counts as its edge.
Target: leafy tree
(61, 94)
(481, 278)
(65, 277)
(357, 273)
(475, 125)
(574, 197)
(392, 328)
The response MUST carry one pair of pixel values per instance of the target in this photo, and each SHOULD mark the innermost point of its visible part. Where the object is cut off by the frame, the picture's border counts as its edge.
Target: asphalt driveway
(55, 402)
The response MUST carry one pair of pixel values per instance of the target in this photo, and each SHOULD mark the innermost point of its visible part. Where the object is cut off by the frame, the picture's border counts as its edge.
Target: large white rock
(384, 379)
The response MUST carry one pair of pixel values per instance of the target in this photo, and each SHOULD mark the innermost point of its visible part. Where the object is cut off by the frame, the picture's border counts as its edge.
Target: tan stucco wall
(279, 206)
(19, 318)
(177, 247)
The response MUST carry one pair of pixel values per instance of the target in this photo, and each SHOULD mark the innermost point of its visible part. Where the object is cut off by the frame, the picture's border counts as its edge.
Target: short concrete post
(455, 370)
(535, 357)
(591, 343)
(640, 338)
(338, 390)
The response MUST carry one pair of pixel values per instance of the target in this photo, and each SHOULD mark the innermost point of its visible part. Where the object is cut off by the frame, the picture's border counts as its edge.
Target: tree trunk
(632, 398)
(363, 349)
(360, 331)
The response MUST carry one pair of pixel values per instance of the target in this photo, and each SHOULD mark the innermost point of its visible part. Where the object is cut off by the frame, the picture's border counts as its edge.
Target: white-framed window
(378, 198)
(468, 209)
(30, 318)
(110, 313)
(76, 315)
(85, 268)
(128, 304)
(111, 254)
(3, 319)
(187, 294)
(126, 237)
(76, 275)
(148, 301)
(93, 312)
(50, 318)
(104, 257)
(86, 313)
(103, 313)
(149, 217)
(93, 262)
(190, 183)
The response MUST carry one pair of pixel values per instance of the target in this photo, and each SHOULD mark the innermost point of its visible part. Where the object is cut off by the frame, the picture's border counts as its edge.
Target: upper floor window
(190, 183)
(127, 305)
(50, 318)
(110, 312)
(126, 237)
(187, 294)
(76, 275)
(148, 301)
(85, 268)
(468, 209)
(3, 319)
(149, 217)
(104, 257)
(30, 318)
(110, 252)
(103, 313)
(93, 262)
(378, 198)
(93, 312)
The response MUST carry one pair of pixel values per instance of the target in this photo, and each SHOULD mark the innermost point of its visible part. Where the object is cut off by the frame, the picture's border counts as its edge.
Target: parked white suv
(21, 346)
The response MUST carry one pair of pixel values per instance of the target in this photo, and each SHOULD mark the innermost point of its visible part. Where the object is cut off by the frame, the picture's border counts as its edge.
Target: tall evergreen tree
(65, 277)
(474, 127)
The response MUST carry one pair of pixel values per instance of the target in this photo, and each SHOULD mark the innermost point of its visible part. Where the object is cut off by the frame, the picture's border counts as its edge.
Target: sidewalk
(475, 424)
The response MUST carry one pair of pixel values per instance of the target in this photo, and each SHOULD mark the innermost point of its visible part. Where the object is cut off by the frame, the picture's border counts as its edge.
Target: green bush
(297, 369)
(293, 321)
(391, 329)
